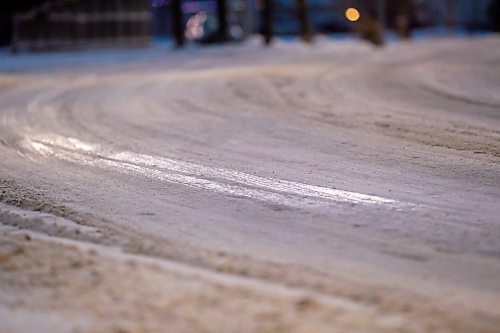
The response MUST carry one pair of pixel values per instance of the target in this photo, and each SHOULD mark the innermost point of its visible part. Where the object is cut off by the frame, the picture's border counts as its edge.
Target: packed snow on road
(332, 187)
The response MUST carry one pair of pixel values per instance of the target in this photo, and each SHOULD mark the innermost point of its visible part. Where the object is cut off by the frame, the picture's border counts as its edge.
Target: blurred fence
(83, 23)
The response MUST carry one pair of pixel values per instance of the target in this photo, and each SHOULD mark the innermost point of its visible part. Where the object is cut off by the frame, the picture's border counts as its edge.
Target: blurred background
(59, 24)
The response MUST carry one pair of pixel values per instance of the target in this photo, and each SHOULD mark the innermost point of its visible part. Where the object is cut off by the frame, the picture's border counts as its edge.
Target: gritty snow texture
(328, 188)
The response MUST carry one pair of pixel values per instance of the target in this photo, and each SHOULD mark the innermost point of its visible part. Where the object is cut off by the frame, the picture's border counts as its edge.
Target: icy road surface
(329, 188)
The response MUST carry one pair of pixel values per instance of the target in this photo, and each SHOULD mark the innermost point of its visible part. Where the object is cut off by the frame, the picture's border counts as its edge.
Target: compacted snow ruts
(355, 188)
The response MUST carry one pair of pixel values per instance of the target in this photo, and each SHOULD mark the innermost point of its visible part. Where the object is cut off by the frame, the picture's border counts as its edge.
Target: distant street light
(352, 14)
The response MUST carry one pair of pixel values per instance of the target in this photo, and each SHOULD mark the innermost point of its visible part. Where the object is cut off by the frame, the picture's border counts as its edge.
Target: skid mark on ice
(219, 180)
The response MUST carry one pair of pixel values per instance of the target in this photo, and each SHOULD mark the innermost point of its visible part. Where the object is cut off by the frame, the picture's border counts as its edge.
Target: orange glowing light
(352, 14)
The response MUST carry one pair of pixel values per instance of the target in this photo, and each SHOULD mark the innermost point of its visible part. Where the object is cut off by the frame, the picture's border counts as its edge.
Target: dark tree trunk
(222, 18)
(304, 23)
(494, 15)
(267, 21)
(450, 15)
(178, 24)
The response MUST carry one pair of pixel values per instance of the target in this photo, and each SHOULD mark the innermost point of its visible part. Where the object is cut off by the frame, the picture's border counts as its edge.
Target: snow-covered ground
(239, 188)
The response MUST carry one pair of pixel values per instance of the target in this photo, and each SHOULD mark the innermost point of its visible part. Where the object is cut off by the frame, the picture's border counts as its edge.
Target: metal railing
(83, 23)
